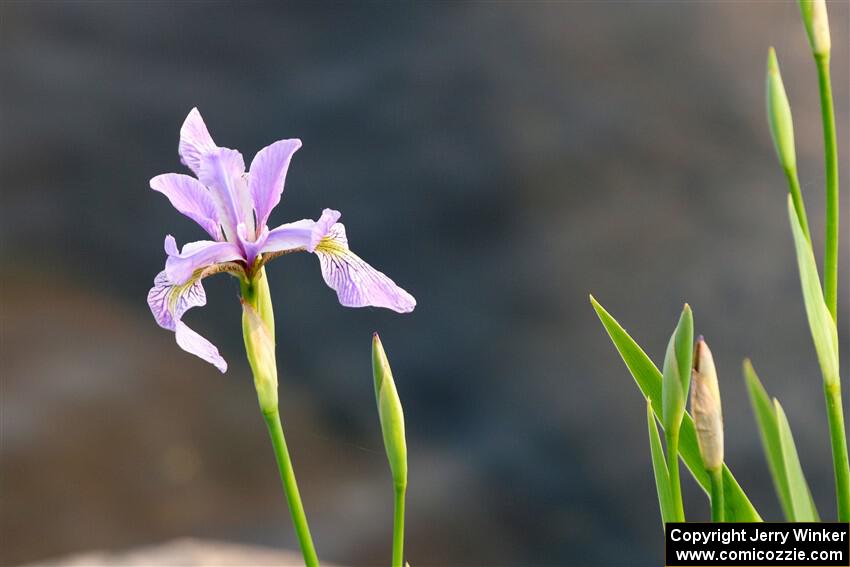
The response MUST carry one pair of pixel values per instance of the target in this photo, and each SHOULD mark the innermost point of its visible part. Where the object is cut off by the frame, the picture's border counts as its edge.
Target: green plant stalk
(672, 439)
(290, 487)
(838, 440)
(830, 262)
(716, 495)
(256, 293)
(398, 527)
(797, 198)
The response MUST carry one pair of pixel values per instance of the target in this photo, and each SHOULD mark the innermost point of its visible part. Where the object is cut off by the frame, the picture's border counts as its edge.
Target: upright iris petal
(190, 197)
(233, 207)
(223, 172)
(268, 175)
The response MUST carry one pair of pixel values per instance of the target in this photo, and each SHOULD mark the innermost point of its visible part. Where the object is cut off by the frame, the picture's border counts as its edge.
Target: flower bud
(676, 376)
(705, 406)
(779, 115)
(389, 413)
(817, 25)
(259, 346)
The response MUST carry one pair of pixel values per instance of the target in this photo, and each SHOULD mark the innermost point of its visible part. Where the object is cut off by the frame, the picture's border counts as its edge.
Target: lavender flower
(233, 206)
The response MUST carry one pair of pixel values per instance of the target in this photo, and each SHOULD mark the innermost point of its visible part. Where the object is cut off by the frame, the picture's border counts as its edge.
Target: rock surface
(181, 553)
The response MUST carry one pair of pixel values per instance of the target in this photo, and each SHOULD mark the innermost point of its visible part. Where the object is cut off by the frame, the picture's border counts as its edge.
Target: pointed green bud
(676, 376)
(779, 115)
(390, 413)
(259, 346)
(705, 407)
(817, 25)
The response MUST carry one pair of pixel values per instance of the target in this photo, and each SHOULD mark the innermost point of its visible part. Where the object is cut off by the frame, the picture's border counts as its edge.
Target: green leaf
(822, 326)
(738, 507)
(798, 488)
(769, 431)
(659, 469)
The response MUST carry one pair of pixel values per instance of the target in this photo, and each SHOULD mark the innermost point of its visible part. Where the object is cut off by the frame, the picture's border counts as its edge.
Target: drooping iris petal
(168, 303)
(193, 343)
(268, 175)
(357, 284)
(191, 198)
(223, 171)
(182, 265)
(195, 141)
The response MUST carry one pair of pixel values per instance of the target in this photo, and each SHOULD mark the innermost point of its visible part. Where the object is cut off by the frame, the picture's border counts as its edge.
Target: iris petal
(182, 265)
(357, 284)
(223, 172)
(268, 175)
(168, 302)
(191, 198)
(195, 141)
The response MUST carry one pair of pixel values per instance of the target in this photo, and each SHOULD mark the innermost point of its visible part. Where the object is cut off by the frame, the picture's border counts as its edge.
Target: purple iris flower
(233, 206)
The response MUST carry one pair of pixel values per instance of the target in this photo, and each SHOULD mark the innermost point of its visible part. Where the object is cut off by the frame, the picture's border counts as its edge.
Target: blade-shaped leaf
(659, 469)
(822, 326)
(798, 488)
(769, 431)
(738, 507)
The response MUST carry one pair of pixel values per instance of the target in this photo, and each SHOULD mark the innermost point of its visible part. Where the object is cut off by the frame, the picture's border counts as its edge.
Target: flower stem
(838, 439)
(797, 198)
(716, 495)
(290, 487)
(673, 469)
(398, 527)
(830, 263)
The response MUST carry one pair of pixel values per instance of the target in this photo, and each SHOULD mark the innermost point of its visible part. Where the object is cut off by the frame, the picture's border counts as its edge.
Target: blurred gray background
(500, 161)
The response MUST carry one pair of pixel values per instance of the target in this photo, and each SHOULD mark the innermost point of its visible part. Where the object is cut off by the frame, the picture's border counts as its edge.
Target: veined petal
(222, 170)
(195, 141)
(193, 343)
(357, 284)
(182, 265)
(323, 228)
(268, 175)
(168, 303)
(191, 198)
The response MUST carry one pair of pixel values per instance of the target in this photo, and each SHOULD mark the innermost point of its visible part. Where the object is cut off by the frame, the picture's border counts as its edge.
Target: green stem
(290, 487)
(797, 198)
(838, 440)
(830, 262)
(717, 495)
(398, 527)
(673, 469)
(255, 292)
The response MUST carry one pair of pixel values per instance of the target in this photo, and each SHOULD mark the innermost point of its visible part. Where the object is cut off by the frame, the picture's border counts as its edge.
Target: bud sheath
(817, 25)
(259, 346)
(779, 115)
(389, 413)
(705, 406)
